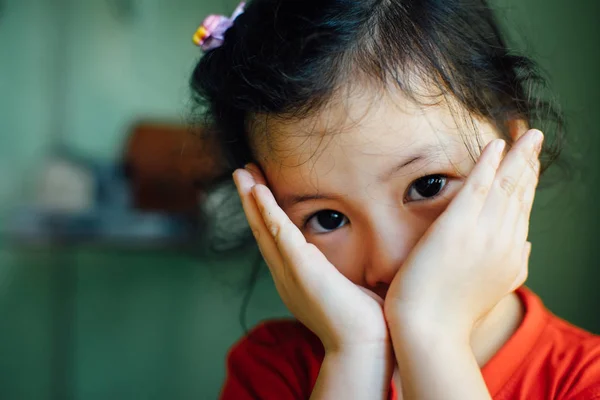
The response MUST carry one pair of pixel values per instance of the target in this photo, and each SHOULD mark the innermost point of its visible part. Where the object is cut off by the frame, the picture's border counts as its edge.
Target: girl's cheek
(343, 249)
(430, 214)
(430, 211)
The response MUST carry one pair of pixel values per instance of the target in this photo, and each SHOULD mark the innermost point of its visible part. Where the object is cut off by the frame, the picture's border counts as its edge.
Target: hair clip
(211, 33)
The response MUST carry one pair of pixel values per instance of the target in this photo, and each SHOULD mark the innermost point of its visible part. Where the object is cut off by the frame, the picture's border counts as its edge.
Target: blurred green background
(95, 322)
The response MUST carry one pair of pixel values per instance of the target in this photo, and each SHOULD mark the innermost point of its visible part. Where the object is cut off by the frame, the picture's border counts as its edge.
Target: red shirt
(546, 358)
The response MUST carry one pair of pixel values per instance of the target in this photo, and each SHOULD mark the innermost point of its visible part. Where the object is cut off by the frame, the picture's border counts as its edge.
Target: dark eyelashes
(306, 219)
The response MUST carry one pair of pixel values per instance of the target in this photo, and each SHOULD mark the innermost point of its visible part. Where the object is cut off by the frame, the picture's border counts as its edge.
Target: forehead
(369, 120)
(361, 132)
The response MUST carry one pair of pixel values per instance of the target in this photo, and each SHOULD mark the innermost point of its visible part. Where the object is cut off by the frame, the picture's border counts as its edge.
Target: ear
(517, 128)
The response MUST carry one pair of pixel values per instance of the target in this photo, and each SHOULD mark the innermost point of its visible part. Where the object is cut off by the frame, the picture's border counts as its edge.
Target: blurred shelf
(122, 230)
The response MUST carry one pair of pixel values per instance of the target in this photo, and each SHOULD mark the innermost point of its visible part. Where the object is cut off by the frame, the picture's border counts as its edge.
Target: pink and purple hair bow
(211, 33)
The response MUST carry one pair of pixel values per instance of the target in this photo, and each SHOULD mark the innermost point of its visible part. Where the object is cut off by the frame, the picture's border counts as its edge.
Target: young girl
(384, 158)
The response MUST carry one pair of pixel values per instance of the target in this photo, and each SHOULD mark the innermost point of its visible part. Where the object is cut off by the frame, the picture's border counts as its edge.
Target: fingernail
(538, 139)
(254, 191)
(235, 179)
(499, 145)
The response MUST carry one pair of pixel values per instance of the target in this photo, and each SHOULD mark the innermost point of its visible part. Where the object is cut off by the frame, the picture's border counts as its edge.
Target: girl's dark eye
(426, 187)
(326, 221)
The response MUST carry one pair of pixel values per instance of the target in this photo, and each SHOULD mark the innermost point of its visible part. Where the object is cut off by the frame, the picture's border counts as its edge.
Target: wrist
(357, 371)
(382, 351)
(448, 359)
(423, 325)
(370, 357)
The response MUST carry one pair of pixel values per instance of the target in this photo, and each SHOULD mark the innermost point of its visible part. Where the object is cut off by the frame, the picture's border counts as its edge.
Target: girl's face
(365, 178)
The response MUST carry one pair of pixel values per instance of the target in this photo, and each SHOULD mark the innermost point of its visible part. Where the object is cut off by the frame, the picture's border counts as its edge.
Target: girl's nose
(387, 250)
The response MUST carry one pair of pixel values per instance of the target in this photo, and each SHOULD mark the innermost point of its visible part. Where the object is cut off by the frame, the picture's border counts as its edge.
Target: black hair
(287, 58)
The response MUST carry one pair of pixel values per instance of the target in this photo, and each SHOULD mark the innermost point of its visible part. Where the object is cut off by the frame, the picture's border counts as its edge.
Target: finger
(518, 212)
(521, 159)
(297, 256)
(524, 271)
(521, 227)
(515, 220)
(508, 181)
(259, 178)
(528, 187)
(472, 196)
(286, 236)
(244, 182)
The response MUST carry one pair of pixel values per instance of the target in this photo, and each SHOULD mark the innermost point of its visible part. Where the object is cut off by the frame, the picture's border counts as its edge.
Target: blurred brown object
(167, 166)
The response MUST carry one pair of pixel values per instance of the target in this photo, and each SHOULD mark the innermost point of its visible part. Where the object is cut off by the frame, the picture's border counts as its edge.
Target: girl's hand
(476, 252)
(343, 315)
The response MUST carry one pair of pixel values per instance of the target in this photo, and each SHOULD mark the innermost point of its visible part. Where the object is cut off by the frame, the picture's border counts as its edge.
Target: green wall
(94, 322)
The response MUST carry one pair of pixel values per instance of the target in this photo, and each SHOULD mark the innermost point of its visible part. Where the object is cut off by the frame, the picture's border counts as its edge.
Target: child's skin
(423, 286)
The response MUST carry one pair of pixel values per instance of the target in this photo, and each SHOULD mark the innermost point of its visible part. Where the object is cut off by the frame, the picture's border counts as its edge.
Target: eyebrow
(423, 153)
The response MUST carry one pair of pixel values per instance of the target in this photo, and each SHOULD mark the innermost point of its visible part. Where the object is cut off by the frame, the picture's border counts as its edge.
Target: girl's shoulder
(572, 358)
(547, 358)
(282, 338)
(278, 359)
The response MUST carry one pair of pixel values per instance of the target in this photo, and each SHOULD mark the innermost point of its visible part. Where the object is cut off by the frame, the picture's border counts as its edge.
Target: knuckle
(534, 164)
(278, 230)
(478, 189)
(274, 230)
(507, 184)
